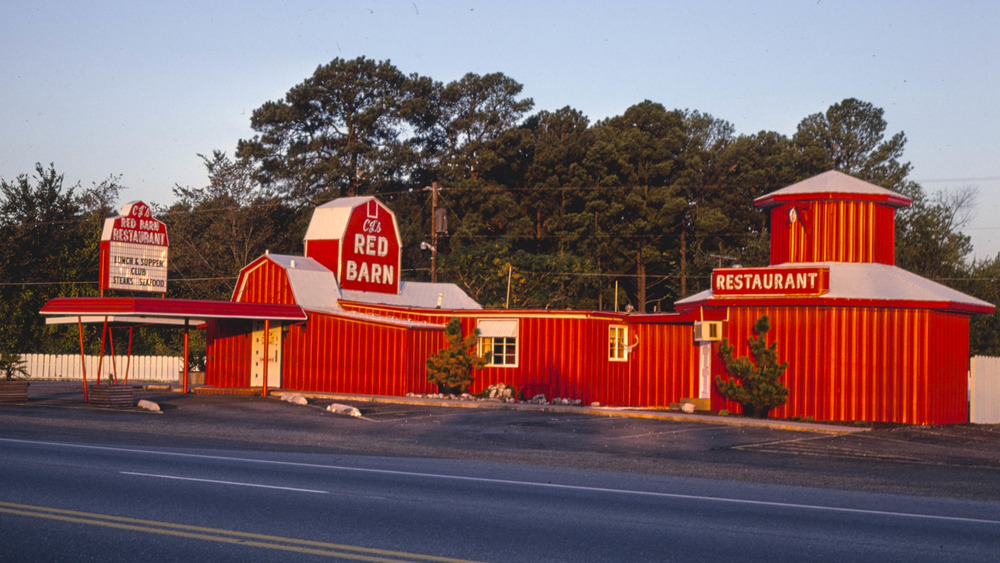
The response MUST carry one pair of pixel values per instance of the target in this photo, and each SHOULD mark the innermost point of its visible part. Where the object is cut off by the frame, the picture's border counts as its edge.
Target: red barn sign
(768, 282)
(134, 251)
(370, 255)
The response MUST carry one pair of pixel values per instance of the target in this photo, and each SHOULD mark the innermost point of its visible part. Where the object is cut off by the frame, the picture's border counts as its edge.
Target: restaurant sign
(371, 257)
(770, 282)
(134, 251)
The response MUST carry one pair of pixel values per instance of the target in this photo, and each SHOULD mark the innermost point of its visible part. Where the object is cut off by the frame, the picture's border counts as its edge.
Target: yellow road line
(222, 535)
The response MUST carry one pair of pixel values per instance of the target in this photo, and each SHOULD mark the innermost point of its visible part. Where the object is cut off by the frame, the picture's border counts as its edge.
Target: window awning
(498, 328)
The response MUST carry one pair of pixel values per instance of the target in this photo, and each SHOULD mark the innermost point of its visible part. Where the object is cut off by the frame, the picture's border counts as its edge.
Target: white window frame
(503, 333)
(618, 343)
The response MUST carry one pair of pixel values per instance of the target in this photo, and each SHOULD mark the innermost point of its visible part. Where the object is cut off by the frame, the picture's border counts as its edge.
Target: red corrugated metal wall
(833, 231)
(863, 363)
(334, 354)
(663, 367)
(330, 354)
(566, 355)
(228, 353)
(845, 363)
(556, 356)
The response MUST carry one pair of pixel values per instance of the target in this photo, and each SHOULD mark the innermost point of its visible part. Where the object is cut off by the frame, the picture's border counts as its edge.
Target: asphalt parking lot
(958, 461)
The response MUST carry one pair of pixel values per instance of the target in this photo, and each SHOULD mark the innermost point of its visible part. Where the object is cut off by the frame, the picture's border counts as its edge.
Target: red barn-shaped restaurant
(864, 340)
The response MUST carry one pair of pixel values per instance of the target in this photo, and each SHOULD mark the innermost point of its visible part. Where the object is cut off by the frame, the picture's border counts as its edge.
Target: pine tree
(754, 384)
(451, 368)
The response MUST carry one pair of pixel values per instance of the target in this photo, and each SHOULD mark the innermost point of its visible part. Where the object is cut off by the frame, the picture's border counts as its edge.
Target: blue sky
(138, 89)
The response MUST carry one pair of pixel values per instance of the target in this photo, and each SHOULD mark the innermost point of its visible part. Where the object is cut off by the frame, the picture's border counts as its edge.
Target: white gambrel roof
(315, 288)
(828, 184)
(870, 281)
(313, 284)
(329, 221)
(417, 294)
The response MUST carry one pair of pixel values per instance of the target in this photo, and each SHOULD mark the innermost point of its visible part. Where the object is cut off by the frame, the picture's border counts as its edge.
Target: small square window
(502, 349)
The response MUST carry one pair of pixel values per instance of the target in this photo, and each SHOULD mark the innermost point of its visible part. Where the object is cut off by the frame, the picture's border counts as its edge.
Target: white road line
(217, 482)
(522, 483)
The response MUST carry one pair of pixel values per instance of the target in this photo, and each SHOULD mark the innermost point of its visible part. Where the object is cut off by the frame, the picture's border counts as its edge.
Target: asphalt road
(95, 502)
(250, 478)
(948, 461)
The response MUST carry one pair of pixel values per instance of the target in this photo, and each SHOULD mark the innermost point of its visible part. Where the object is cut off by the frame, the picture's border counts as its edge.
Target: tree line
(632, 211)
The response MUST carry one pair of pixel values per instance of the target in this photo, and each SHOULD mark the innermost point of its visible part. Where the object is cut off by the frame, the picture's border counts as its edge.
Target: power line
(172, 280)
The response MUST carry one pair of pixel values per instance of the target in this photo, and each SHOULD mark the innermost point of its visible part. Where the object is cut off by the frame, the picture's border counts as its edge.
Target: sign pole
(128, 362)
(114, 363)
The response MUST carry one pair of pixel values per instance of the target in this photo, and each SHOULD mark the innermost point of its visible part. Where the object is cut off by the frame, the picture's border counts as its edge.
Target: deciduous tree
(51, 234)
(219, 228)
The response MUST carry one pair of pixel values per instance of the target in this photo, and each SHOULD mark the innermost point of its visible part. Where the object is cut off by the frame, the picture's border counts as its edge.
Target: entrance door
(273, 356)
(705, 370)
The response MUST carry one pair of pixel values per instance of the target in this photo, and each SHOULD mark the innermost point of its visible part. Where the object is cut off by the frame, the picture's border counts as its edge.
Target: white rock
(345, 410)
(296, 399)
(148, 405)
(687, 407)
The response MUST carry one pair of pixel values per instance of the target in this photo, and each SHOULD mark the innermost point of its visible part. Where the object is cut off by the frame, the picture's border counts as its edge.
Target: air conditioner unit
(707, 331)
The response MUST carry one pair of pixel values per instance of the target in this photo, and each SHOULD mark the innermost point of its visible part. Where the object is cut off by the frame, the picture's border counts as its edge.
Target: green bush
(754, 384)
(451, 368)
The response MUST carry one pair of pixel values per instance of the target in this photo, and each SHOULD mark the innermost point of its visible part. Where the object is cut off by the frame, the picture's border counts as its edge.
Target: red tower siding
(863, 363)
(833, 231)
(326, 252)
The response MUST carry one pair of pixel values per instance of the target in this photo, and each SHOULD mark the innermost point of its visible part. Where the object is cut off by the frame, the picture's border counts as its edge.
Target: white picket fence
(984, 390)
(67, 367)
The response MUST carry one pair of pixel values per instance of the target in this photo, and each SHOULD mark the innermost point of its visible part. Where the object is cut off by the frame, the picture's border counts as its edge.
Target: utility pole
(434, 250)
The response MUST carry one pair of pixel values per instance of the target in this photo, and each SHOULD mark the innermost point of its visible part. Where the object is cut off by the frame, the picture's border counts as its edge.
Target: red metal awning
(149, 310)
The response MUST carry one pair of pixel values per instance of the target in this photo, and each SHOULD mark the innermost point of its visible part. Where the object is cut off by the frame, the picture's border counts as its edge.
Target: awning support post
(83, 359)
(100, 353)
(267, 358)
(185, 376)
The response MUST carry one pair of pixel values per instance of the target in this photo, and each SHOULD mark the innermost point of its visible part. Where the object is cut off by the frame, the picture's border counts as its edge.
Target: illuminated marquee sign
(770, 282)
(134, 251)
(370, 250)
